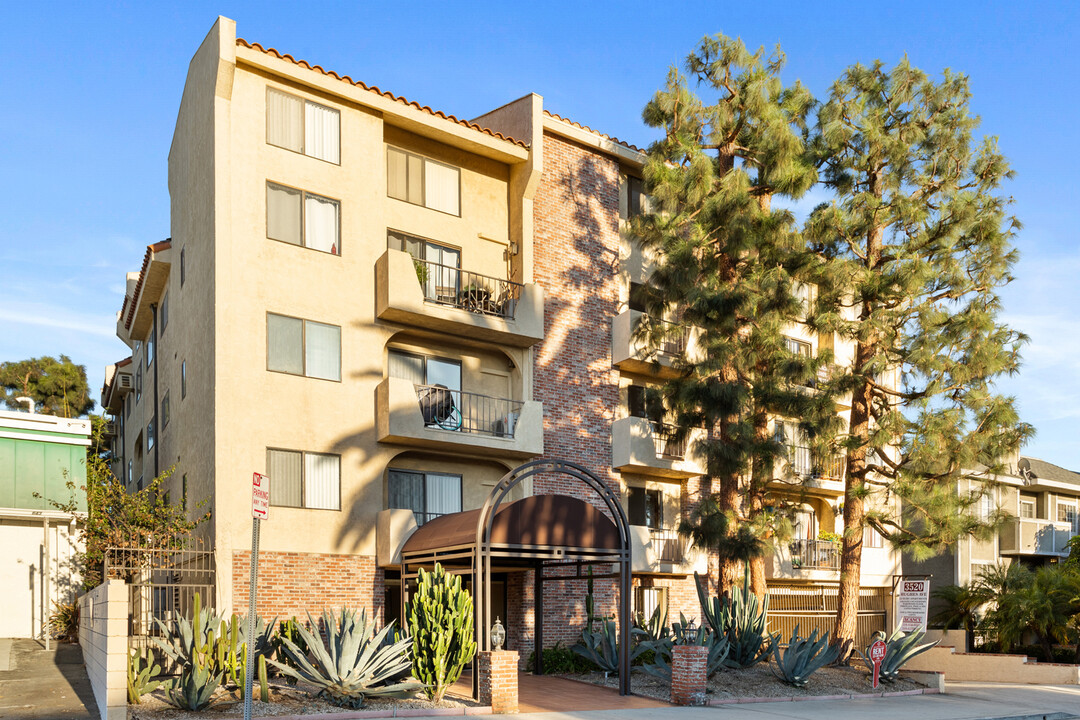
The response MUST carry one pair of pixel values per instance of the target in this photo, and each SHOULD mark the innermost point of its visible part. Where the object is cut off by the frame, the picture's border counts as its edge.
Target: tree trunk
(761, 473)
(1048, 649)
(730, 569)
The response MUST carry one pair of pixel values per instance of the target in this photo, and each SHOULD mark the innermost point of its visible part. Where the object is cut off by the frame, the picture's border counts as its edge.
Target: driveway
(44, 684)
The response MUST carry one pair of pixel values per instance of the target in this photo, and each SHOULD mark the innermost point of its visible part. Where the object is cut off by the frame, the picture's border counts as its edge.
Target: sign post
(260, 510)
(877, 654)
(912, 603)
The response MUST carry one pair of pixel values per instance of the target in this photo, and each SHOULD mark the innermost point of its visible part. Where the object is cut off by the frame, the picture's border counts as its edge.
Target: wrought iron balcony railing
(667, 446)
(481, 294)
(801, 462)
(667, 544)
(815, 554)
(468, 412)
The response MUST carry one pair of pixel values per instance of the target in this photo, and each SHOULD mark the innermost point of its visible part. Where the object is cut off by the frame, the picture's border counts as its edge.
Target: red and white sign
(912, 604)
(260, 496)
(877, 654)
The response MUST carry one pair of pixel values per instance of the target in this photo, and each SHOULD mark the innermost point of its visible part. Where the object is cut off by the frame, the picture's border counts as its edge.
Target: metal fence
(814, 608)
(468, 412)
(667, 544)
(667, 446)
(819, 554)
(162, 584)
(447, 285)
(801, 462)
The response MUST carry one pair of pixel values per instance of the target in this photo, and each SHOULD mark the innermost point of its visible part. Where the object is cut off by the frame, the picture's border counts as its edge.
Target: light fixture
(498, 635)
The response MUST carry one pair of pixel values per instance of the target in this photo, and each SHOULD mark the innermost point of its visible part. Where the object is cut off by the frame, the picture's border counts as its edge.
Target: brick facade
(689, 673)
(293, 584)
(498, 680)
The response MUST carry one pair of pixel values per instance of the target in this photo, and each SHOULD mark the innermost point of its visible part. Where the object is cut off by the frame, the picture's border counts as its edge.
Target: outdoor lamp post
(498, 635)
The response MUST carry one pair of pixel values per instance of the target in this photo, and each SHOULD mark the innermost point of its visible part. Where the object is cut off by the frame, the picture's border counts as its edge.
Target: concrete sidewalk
(962, 701)
(43, 683)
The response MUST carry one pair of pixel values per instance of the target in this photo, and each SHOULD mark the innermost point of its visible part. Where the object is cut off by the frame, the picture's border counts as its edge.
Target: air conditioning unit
(125, 382)
(504, 427)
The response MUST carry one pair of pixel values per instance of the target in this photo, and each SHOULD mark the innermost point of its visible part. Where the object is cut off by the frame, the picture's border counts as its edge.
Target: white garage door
(22, 553)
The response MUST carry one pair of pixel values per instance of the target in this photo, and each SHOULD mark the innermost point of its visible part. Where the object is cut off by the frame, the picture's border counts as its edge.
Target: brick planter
(498, 680)
(688, 674)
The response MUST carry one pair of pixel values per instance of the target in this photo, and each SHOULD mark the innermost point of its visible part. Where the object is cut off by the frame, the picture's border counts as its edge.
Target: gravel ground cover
(284, 700)
(759, 681)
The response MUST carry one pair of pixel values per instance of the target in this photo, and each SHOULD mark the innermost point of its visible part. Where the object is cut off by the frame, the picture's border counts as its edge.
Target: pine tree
(914, 248)
(726, 264)
(57, 387)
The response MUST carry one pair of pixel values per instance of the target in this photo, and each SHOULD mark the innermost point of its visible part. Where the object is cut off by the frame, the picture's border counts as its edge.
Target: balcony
(826, 475)
(630, 354)
(1031, 536)
(447, 299)
(641, 445)
(435, 417)
(815, 555)
(663, 551)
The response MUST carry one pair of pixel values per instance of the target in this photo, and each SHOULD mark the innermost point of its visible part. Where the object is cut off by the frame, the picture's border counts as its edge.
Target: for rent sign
(912, 601)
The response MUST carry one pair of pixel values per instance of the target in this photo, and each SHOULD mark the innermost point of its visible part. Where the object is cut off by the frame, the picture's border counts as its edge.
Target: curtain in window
(285, 344)
(322, 132)
(321, 224)
(407, 491)
(284, 120)
(282, 214)
(415, 191)
(443, 494)
(397, 185)
(408, 367)
(323, 350)
(284, 469)
(322, 481)
(441, 187)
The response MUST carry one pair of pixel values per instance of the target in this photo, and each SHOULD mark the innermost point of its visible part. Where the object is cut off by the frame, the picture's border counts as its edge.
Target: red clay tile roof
(586, 128)
(377, 91)
(150, 250)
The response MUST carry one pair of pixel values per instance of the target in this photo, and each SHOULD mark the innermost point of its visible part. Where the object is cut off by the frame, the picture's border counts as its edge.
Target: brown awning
(538, 520)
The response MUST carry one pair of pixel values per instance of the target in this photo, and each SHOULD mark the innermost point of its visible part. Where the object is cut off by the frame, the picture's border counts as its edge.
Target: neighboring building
(39, 456)
(341, 263)
(1041, 500)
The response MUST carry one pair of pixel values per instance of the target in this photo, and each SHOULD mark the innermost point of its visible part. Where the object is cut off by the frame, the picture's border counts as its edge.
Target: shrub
(440, 617)
(63, 622)
(353, 664)
(560, 660)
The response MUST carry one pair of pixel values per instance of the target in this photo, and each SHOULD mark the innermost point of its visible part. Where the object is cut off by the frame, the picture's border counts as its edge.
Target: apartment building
(385, 309)
(1041, 501)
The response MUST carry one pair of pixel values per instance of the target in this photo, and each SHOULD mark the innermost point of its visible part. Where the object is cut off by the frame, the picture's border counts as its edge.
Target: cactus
(352, 665)
(803, 657)
(140, 679)
(899, 648)
(440, 617)
(194, 688)
(264, 684)
(739, 619)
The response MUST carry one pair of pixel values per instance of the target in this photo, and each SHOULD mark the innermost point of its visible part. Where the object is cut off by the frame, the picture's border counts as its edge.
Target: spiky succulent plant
(802, 657)
(899, 648)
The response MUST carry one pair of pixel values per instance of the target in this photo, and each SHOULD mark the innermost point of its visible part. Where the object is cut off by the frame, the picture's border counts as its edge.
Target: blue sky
(91, 91)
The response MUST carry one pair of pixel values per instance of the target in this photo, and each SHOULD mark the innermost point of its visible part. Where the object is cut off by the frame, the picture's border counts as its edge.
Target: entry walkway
(46, 684)
(547, 693)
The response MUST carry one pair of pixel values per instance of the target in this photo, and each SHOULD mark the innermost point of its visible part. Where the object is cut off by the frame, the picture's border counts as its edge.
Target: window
(303, 126)
(302, 218)
(440, 273)
(985, 507)
(183, 267)
(1066, 512)
(798, 347)
(788, 433)
(138, 384)
(164, 312)
(871, 538)
(423, 181)
(637, 202)
(428, 495)
(183, 492)
(303, 347)
(151, 342)
(165, 411)
(149, 435)
(1027, 506)
(804, 293)
(645, 507)
(127, 406)
(304, 479)
(138, 485)
(647, 600)
(130, 467)
(645, 402)
(637, 296)
(183, 379)
(423, 370)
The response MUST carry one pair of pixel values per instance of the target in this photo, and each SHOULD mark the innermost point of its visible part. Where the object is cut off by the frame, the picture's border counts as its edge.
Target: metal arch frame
(483, 554)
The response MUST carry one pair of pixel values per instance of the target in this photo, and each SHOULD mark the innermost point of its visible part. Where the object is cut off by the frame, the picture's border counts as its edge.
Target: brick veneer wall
(296, 583)
(498, 680)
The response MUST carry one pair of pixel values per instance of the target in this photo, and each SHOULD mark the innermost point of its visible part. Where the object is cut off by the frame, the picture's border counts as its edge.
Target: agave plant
(194, 688)
(803, 657)
(353, 664)
(899, 648)
(684, 633)
(140, 678)
(600, 646)
(741, 620)
(192, 640)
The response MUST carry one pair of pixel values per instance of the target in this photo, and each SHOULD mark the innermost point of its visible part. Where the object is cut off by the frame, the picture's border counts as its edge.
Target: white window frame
(303, 478)
(425, 161)
(304, 195)
(303, 120)
(303, 347)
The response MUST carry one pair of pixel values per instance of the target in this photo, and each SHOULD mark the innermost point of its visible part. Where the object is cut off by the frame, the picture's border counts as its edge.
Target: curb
(866, 696)
(395, 713)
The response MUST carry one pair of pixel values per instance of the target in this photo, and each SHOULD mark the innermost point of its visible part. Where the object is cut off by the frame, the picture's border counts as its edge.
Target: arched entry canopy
(555, 535)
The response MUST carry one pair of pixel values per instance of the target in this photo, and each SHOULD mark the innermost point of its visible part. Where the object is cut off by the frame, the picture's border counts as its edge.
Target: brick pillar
(689, 674)
(498, 680)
